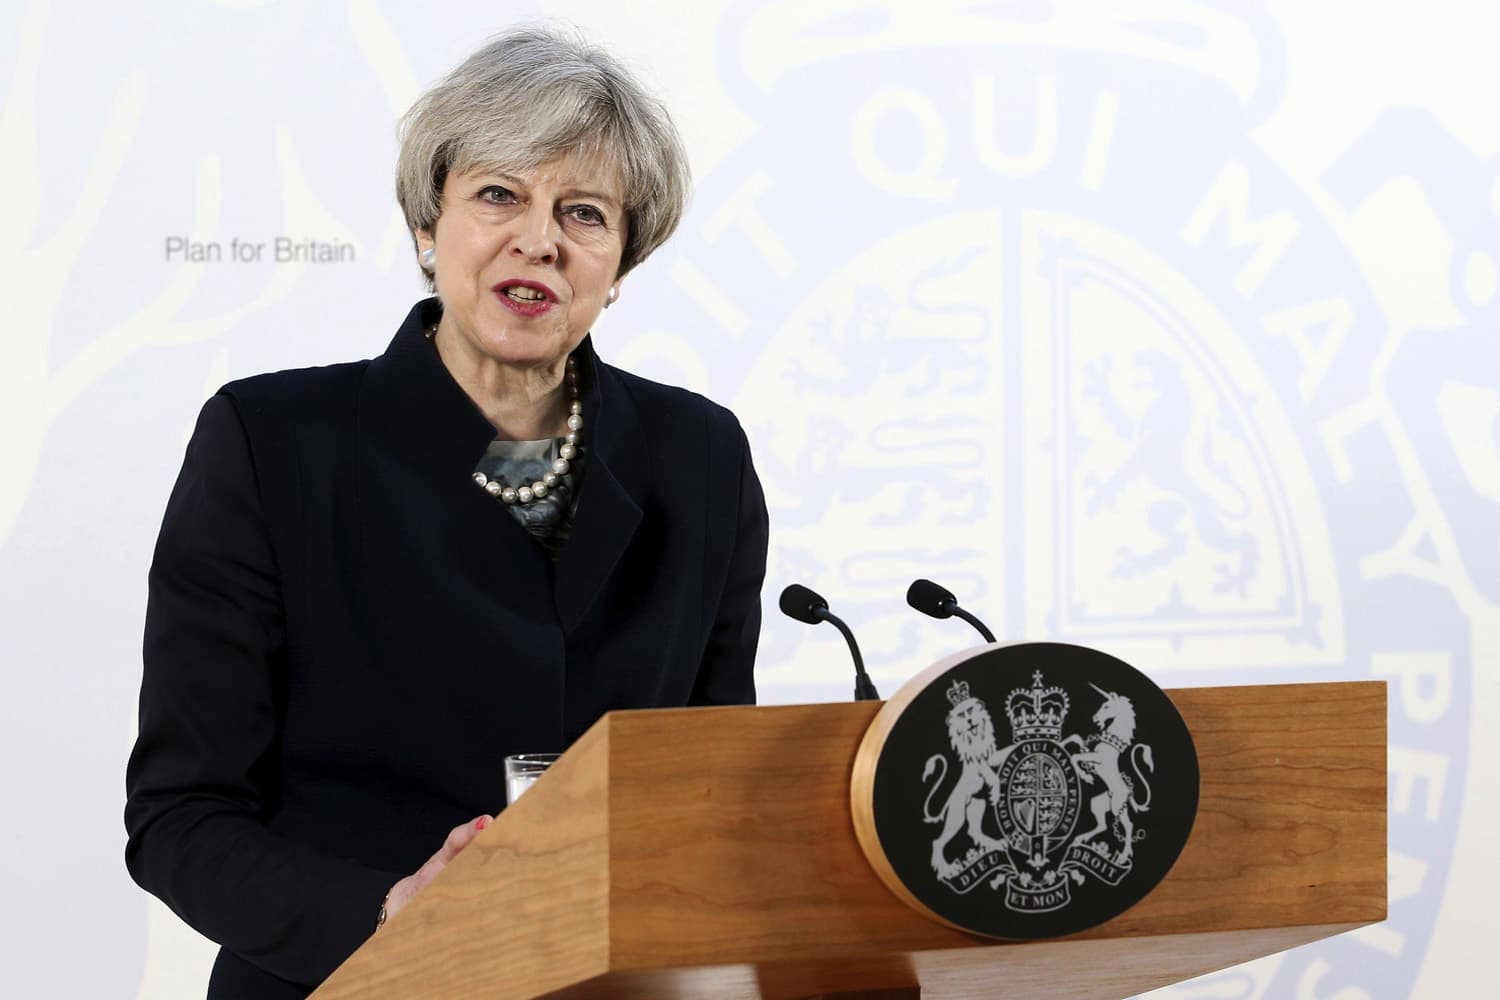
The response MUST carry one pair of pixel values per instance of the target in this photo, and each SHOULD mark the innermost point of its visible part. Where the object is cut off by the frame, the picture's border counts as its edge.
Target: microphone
(806, 606)
(938, 602)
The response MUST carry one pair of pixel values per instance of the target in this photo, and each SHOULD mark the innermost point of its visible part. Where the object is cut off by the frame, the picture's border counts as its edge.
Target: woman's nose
(535, 237)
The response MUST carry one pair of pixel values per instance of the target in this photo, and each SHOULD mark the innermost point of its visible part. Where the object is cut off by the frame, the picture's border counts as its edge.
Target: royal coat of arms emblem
(1035, 788)
(1064, 820)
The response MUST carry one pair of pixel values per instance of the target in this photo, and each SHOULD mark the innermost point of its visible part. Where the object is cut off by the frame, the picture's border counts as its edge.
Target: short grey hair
(529, 96)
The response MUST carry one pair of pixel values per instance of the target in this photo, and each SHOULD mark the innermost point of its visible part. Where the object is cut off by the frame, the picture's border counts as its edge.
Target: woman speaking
(375, 580)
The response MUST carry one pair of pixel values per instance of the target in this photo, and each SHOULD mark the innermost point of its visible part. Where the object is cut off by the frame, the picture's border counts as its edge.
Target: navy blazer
(345, 635)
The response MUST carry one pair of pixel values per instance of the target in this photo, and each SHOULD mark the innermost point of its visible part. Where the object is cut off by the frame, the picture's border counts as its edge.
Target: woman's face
(525, 261)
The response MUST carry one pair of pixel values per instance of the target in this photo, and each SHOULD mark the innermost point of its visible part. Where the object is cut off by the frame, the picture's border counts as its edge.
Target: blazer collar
(416, 407)
(429, 422)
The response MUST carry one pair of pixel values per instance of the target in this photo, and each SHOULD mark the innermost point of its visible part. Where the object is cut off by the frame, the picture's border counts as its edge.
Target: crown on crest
(1037, 713)
(958, 693)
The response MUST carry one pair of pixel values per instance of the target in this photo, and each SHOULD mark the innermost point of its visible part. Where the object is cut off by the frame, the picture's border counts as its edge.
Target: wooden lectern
(710, 853)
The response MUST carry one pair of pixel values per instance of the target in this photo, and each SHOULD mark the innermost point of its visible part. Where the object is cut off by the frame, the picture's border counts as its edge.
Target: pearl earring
(612, 297)
(429, 258)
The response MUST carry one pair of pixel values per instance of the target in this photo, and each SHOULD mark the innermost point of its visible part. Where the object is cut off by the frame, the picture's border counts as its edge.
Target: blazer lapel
(428, 436)
(614, 486)
(427, 424)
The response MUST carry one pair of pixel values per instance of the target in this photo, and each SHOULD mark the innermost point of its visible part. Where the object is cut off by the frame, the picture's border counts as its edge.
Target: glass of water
(522, 770)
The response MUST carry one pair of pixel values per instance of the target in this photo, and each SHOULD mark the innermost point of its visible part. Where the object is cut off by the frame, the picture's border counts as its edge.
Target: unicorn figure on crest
(1116, 722)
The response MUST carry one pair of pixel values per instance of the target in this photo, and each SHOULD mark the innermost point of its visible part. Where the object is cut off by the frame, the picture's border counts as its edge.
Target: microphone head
(803, 604)
(930, 599)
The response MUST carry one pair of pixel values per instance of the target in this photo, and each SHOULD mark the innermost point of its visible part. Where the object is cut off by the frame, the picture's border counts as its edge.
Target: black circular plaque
(1026, 791)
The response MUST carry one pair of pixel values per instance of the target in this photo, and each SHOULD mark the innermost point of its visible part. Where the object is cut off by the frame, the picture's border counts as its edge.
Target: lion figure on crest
(971, 733)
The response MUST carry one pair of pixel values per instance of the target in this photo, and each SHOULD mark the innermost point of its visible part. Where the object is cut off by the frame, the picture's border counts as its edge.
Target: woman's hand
(458, 838)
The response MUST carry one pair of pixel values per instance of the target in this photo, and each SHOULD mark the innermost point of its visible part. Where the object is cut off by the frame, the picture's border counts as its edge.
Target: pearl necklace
(540, 488)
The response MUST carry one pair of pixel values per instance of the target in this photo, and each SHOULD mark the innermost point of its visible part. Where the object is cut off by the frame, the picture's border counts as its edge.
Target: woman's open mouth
(525, 298)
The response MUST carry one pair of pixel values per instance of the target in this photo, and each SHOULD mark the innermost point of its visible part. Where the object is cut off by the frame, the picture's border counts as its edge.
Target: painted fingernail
(484, 821)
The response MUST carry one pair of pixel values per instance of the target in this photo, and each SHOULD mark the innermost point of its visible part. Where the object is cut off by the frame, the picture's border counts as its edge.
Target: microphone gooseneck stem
(807, 607)
(961, 613)
(864, 688)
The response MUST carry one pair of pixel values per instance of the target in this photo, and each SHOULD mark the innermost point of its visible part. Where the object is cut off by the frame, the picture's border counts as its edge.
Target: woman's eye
(497, 195)
(588, 214)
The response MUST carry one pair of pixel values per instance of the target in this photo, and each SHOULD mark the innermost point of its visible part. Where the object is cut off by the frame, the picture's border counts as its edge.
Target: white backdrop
(1164, 327)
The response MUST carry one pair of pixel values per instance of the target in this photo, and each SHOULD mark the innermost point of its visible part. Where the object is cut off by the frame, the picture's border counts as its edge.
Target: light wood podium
(710, 853)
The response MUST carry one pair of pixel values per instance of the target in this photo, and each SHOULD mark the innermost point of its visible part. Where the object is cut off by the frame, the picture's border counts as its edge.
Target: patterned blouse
(516, 463)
